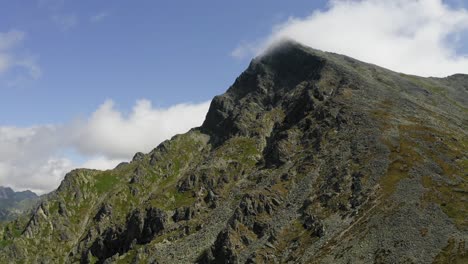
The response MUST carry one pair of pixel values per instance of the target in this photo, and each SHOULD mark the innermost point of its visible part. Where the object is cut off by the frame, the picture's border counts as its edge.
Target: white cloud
(10, 39)
(65, 21)
(9, 59)
(41, 175)
(35, 157)
(411, 36)
(27, 157)
(102, 163)
(108, 132)
(99, 17)
(246, 50)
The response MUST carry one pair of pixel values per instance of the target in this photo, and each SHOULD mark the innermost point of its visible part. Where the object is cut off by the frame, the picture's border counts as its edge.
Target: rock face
(309, 157)
(14, 203)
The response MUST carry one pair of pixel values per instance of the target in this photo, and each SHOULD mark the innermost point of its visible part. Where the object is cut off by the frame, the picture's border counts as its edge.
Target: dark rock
(134, 191)
(314, 225)
(246, 240)
(138, 175)
(356, 188)
(104, 210)
(157, 154)
(138, 157)
(154, 222)
(222, 250)
(211, 199)
(183, 214)
(140, 228)
(188, 183)
(285, 177)
(62, 209)
(260, 228)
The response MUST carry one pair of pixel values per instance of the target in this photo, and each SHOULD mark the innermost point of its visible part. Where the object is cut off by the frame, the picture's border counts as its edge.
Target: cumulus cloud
(27, 157)
(36, 157)
(108, 132)
(411, 36)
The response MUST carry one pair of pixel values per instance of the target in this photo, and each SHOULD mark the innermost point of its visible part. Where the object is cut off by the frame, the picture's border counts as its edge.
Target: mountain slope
(309, 157)
(14, 203)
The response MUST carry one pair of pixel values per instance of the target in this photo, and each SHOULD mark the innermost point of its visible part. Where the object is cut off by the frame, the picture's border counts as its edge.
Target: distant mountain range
(14, 203)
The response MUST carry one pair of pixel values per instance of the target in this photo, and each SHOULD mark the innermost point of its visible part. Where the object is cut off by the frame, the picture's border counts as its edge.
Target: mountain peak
(14, 203)
(9, 193)
(285, 46)
(6, 192)
(308, 157)
(262, 85)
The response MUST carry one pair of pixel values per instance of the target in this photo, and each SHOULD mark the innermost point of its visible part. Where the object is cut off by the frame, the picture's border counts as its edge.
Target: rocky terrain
(14, 203)
(309, 157)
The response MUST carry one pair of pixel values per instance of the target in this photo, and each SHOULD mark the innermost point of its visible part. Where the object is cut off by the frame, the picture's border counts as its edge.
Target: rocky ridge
(309, 157)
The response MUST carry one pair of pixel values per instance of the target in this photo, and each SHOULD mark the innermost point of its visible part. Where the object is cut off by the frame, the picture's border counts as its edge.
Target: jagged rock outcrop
(309, 157)
(140, 228)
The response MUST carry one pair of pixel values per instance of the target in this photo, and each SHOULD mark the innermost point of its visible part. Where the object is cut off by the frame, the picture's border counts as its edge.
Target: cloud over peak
(412, 36)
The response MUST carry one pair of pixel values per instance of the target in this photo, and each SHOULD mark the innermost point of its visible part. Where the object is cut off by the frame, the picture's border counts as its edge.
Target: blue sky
(166, 51)
(87, 83)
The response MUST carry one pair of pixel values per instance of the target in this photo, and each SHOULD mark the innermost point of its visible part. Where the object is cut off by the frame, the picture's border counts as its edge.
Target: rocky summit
(309, 157)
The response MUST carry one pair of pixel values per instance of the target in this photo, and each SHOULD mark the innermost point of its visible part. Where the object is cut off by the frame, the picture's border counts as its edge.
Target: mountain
(309, 157)
(14, 203)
